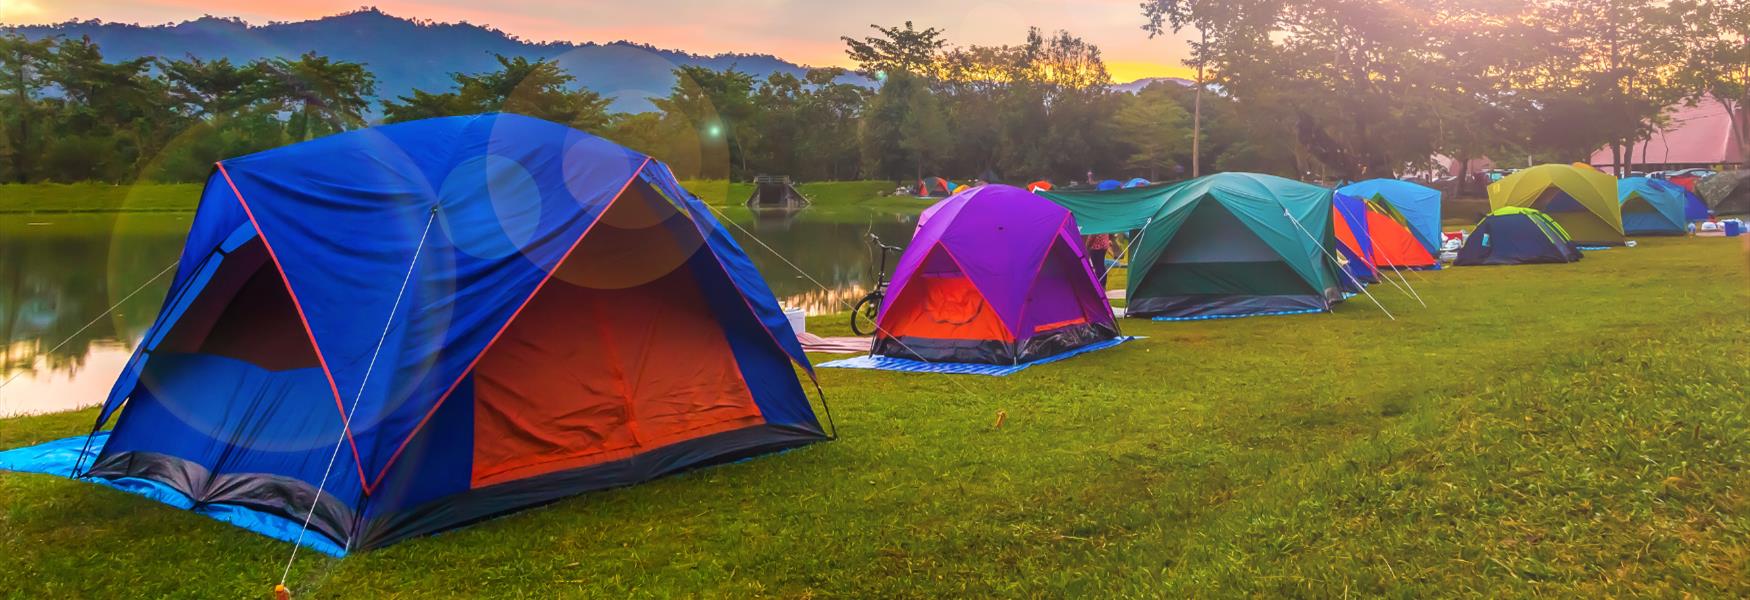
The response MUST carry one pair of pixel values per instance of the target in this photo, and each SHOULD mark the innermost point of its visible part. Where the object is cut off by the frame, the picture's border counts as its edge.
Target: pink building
(1697, 136)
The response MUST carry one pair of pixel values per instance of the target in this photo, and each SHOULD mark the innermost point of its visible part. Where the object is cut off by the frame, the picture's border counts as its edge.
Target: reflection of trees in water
(54, 279)
(837, 254)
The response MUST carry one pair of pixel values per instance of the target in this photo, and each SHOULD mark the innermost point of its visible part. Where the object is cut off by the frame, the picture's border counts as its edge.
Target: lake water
(58, 274)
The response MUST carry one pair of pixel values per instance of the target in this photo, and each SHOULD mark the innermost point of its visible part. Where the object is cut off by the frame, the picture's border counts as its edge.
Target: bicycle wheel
(864, 314)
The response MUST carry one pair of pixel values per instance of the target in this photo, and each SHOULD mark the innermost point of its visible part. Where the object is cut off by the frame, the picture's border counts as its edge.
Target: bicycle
(867, 311)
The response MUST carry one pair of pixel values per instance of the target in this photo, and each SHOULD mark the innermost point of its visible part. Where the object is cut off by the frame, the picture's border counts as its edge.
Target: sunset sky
(803, 31)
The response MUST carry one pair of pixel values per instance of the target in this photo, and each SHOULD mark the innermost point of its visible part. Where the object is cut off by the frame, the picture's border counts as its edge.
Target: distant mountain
(1136, 86)
(406, 54)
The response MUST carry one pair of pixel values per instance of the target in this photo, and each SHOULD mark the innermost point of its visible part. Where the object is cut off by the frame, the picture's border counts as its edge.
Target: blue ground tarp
(886, 363)
(59, 457)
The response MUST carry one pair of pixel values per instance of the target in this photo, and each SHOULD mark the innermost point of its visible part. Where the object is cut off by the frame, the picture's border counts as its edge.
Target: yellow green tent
(1582, 199)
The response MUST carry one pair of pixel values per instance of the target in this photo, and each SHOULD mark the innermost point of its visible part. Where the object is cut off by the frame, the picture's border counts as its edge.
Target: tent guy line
(1334, 261)
(388, 323)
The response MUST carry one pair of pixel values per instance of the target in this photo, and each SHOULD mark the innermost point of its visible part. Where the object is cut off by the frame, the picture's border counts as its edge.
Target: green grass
(1548, 430)
(51, 198)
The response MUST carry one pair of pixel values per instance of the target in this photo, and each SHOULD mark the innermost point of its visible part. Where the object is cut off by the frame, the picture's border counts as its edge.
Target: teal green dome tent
(1224, 245)
(1651, 206)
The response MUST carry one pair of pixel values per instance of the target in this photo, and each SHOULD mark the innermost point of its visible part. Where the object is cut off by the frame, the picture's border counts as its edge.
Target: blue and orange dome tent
(400, 330)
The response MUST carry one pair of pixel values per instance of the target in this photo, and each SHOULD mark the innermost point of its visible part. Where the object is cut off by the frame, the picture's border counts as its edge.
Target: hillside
(626, 71)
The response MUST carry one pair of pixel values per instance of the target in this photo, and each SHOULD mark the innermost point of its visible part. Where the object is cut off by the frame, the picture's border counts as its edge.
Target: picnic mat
(904, 365)
(58, 458)
(834, 345)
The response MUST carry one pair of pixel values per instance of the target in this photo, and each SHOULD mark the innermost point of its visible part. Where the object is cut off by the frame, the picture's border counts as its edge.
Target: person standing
(1097, 246)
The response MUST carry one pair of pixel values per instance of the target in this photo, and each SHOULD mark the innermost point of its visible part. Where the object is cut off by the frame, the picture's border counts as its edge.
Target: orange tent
(1393, 245)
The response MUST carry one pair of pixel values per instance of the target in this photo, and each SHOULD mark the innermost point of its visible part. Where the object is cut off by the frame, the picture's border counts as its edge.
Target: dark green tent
(1230, 244)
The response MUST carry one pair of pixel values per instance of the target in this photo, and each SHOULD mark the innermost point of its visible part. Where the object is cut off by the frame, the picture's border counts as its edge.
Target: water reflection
(58, 272)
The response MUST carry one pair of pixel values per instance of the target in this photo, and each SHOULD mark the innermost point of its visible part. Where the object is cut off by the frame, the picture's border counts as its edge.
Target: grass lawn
(1562, 430)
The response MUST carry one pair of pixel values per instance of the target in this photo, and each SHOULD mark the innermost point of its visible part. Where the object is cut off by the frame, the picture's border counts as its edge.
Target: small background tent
(1651, 206)
(994, 275)
(1414, 206)
(1137, 182)
(1229, 244)
(775, 192)
(554, 282)
(1580, 198)
(1039, 185)
(934, 187)
(1516, 236)
(1109, 185)
(1726, 193)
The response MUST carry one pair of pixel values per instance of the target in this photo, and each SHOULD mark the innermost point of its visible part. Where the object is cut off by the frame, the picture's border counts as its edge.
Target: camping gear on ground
(1517, 236)
(1582, 199)
(905, 365)
(934, 187)
(1733, 227)
(833, 345)
(994, 275)
(1726, 193)
(1137, 182)
(1651, 206)
(1229, 244)
(1413, 206)
(775, 191)
(1109, 185)
(491, 304)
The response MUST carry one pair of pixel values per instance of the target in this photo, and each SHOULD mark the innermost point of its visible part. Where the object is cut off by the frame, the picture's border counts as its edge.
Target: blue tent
(1416, 206)
(1651, 206)
(1517, 236)
(1693, 208)
(1109, 185)
(1137, 182)
(1354, 241)
(426, 324)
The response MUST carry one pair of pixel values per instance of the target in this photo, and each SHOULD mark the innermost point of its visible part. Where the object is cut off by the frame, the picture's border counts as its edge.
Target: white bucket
(798, 319)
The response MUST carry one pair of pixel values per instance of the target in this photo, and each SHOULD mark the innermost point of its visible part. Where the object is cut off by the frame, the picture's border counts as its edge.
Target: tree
(536, 88)
(897, 50)
(718, 105)
(201, 88)
(1153, 125)
(326, 96)
(1716, 65)
(21, 68)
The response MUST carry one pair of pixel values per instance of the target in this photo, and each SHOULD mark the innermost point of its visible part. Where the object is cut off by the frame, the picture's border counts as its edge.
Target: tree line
(1331, 88)
(1367, 88)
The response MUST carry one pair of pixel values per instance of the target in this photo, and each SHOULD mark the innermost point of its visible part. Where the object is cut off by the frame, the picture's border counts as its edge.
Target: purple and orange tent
(994, 275)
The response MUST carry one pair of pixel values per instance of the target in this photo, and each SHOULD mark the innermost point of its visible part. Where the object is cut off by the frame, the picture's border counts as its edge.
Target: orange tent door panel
(942, 303)
(601, 365)
(1393, 245)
